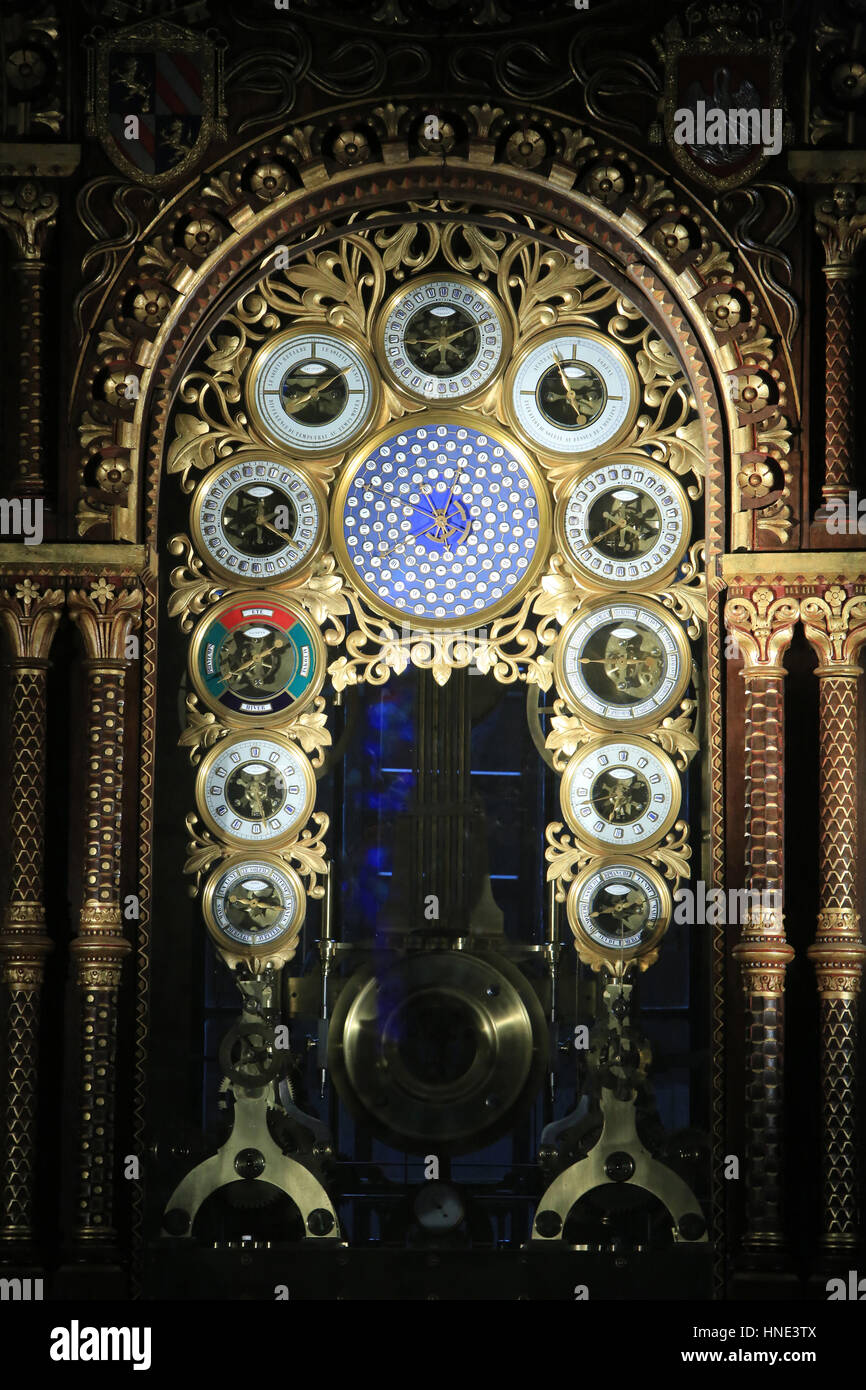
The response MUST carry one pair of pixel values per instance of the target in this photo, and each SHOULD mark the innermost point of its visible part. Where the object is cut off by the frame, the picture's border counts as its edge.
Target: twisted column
(26, 213)
(763, 626)
(835, 625)
(840, 222)
(105, 619)
(29, 621)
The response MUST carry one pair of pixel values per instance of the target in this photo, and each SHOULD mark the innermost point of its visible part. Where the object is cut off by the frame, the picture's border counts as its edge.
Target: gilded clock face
(623, 524)
(444, 523)
(442, 338)
(620, 793)
(622, 663)
(253, 905)
(255, 659)
(255, 789)
(572, 391)
(312, 390)
(618, 910)
(259, 521)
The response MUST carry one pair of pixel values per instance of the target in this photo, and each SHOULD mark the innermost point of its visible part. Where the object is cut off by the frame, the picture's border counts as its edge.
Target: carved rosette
(835, 625)
(840, 222)
(762, 624)
(28, 618)
(105, 618)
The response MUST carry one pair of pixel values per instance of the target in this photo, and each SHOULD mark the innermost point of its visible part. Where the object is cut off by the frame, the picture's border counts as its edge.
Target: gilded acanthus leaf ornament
(763, 626)
(194, 589)
(565, 856)
(835, 625)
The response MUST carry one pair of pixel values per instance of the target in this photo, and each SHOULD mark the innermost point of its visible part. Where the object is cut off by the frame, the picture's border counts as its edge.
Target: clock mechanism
(572, 391)
(259, 521)
(253, 907)
(618, 910)
(623, 524)
(312, 390)
(442, 338)
(252, 789)
(255, 659)
(621, 663)
(620, 792)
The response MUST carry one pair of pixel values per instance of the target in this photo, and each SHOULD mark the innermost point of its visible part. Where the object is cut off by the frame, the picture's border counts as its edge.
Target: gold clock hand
(291, 406)
(392, 498)
(601, 535)
(572, 399)
(427, 529)
(229, 671)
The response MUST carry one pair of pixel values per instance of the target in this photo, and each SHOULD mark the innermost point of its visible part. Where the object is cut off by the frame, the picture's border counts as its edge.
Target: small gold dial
(623, 662)
(620, 793)
(442, 338)
(312, 390)
(259, 521)
(618, 910)
(253, 905)
(623, 524)
(572, 391)
(255, 789)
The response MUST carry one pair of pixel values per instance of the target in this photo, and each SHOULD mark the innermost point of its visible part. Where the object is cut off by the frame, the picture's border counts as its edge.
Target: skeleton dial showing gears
(572, 391)
(253, 906)
(623, 524)
(622, 663)
(442, 338)
(255, 789)
(621, 793)
(618, 911)
(444, 523)
(258, 521)
(312, 390)
(256, 659)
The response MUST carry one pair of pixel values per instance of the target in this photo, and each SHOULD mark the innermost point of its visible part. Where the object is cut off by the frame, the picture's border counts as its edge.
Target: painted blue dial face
(442, 523)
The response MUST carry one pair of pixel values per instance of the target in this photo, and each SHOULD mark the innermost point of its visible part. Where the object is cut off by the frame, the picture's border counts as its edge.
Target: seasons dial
(312, 390)
(619, 663)
(254, 906)
(255, 790)
(258, 520)
(620, 792)
(442, 524)
(618, 911)
(623, 524)
(442, 338)
(572, 391)
(254, 659)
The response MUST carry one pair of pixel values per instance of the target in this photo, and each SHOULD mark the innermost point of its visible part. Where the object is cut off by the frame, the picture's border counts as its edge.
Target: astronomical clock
(430, 506)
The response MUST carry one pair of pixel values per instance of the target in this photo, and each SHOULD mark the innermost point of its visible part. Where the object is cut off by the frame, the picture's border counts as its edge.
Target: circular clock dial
(443, 524)
(623, 523)
(624, 662)
(618, 909)
(442, 338)
(256, 659)
(253, 904)
(255, 789)
(258, 521)
(620, 792)
(572, 391)
(312, 390)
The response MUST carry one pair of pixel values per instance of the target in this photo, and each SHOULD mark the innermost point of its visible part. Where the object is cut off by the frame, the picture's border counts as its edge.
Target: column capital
(840, 221)
(105, 618)
(835, 625)
(29, 618)
(763, 626)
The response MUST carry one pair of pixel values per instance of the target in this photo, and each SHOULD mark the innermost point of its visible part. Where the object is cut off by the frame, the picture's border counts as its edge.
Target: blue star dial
(443, 523)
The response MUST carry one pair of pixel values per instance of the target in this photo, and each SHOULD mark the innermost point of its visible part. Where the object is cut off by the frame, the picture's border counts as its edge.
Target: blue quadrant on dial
(441, 521)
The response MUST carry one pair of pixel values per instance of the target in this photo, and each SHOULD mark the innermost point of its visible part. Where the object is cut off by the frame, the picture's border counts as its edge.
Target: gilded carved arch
(209, 243)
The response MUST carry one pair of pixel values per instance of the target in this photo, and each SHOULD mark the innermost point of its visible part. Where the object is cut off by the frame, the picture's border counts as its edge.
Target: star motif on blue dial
(443, 523)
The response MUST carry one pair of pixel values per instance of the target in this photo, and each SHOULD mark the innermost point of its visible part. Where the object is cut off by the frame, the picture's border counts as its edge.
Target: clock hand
(227, 672)
(417, 342)
(427, 529)
(601, 535)
(572, 399)
(392, 498)
(290, 407)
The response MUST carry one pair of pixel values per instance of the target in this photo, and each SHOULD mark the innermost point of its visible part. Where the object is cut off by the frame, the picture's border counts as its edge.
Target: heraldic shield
(155, 99)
